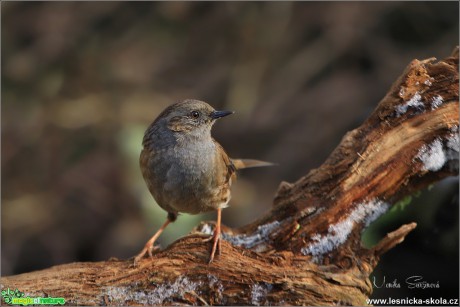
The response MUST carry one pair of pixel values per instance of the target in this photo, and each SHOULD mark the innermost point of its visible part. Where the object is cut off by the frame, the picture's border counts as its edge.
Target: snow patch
(432, 156)
(436, 102)
(440, 152)
(260, 236)
(124, 296)
(214, 282)
(206, 229)
(414, 102)
(259, 293)
(338, 233)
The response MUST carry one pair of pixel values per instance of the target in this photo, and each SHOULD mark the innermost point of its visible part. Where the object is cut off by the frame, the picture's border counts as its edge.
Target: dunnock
(185, 169)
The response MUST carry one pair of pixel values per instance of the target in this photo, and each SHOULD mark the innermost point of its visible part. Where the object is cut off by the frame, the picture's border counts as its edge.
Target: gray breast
(188, 181)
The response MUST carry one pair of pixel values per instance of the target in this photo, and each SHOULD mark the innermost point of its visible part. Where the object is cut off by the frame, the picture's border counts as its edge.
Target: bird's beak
(219, 114)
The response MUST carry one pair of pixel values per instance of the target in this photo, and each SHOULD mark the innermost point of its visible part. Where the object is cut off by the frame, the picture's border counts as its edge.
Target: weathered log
(307, 250)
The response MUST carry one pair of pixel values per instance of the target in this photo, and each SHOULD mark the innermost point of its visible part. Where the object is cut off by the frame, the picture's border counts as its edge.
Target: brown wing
(229, 168)
(224, 172)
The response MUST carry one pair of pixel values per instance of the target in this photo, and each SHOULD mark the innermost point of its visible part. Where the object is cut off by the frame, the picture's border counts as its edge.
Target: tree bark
(307, 249)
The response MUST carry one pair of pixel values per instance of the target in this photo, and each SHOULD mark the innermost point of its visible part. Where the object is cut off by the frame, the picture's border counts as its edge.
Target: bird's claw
(153, 249)
(147, 250)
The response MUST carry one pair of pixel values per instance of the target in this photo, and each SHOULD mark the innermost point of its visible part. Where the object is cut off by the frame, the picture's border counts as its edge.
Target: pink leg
(149, 245)
(216, 236)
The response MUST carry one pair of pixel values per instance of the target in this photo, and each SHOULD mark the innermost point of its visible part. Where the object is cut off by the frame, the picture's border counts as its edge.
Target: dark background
(82, 80)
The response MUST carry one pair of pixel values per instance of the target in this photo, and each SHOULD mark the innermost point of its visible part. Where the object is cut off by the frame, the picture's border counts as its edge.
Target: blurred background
(81, 81)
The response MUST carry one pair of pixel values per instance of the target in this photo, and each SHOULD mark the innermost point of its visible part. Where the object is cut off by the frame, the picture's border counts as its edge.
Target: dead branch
(307, 250)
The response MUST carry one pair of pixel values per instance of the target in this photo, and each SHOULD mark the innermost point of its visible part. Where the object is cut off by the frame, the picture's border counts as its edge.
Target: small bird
(184, 168)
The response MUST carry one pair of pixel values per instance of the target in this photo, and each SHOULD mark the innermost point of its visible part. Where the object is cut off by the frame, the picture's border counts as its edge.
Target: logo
(16, 297)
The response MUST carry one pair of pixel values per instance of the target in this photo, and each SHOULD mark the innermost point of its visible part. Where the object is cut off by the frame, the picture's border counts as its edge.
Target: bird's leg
(149, 245)
(148, 248)
(216, 235)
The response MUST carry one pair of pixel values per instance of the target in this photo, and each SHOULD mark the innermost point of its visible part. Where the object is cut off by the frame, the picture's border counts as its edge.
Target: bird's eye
(195, 114)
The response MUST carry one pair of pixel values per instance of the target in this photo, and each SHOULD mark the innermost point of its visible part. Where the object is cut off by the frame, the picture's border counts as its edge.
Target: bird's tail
(247, 163)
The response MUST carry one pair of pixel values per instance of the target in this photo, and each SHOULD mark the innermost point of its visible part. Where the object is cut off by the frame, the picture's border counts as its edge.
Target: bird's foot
(206, 236)
(148, 249)
(216, 246)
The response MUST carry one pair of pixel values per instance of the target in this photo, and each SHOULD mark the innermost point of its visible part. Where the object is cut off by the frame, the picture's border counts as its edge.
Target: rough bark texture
(307, 250)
